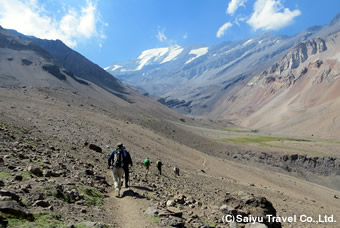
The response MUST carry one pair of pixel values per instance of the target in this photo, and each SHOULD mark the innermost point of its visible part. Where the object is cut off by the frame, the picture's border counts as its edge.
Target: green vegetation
(41, 220)
(265, 141)
(5, 175)
(23, 203)
(151, 118)
(332, 141)
(235, 130)
(154, 219)
(169, 190)
(61, 195)
(207, 222)
(92, 196)
(81, 226)
(261, 140)
(27, 175)
(31, 143)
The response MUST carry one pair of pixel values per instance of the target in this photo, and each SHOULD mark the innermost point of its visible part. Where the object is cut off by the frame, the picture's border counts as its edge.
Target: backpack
(147, 162)
(158, 163)
(118, 159)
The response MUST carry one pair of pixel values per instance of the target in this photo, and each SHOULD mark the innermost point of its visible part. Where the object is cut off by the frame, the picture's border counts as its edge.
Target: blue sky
(107, 31)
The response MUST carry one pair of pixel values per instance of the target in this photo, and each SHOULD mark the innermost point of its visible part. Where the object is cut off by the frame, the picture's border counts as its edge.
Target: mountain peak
(335, 20)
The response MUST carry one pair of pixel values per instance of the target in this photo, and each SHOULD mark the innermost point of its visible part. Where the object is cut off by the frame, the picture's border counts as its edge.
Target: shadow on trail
(131, 193)
(142, 188)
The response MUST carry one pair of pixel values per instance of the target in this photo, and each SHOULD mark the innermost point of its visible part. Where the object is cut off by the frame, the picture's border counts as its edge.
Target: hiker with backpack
(147, 166)
(176, 170)
(159, 166)
(116, 162)
(127, 163)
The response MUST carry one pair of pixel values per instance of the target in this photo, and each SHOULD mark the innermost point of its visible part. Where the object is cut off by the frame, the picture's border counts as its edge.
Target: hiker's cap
(119, 145)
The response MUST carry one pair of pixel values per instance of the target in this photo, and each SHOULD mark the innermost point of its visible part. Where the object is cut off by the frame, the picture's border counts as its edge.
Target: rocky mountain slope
(78, 64)
(297, 95)
(221, 81)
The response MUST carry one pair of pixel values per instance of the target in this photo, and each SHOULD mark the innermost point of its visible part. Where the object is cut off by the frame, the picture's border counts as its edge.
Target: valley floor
(211, 178)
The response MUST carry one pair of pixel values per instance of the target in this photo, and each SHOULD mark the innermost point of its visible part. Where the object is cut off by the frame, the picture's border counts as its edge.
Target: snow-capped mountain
(175, 73)
(158, 56)
(198, 79)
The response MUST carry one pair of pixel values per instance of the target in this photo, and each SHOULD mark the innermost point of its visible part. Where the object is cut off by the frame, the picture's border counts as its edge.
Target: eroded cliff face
(287, 71)
(299, 94)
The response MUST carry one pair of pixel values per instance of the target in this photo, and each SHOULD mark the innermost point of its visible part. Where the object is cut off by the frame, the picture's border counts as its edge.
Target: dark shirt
(126, 159)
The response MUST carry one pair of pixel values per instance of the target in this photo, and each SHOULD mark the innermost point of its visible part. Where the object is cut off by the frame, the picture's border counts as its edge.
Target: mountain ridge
(210, 85)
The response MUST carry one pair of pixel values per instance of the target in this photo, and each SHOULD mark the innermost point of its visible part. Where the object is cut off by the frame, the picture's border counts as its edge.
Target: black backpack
(118, 159)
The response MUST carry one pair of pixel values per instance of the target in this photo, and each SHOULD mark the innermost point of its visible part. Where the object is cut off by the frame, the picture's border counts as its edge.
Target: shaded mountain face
(49, 65)
(24, 63)
(79, 65)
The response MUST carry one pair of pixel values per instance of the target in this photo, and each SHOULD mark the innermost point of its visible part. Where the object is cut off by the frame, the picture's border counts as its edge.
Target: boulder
(41, 203)
(95, 148)
(74, 195)
(180, 199)
(13, 208)
(35, 170)
(226, 208)
(89, 172)
(51, 173)
(245, 204)
(176, 212)
(170, 203)
(174, 223)
(11, 195)
(18, 178)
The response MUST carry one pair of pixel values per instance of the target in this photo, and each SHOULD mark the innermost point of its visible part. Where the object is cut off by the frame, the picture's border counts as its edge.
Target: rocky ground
(53, 167)
(48, 184)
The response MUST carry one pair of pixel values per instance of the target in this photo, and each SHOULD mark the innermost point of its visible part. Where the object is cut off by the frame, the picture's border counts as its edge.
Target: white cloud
(185, 36)
(31, 18)
(271, 15)
(161, 35)
(222, 29)
(234, 5)
(239, 19)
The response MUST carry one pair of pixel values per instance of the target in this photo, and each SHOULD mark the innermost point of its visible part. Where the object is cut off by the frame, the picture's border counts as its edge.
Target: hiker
(127, 163)
(116, 162)
(147, 166)
(176, 170)
(159, 166)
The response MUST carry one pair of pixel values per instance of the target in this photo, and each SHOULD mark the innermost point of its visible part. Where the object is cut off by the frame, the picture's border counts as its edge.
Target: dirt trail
(128, 211)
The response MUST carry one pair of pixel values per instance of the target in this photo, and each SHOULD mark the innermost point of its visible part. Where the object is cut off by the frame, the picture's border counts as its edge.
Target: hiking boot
(118, 194)
(126, 186)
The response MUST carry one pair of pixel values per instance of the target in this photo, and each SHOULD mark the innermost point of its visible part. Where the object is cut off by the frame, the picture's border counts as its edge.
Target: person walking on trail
(116, 163)
(147, 166)
(159, 166)
(127, 163)
(176, 170)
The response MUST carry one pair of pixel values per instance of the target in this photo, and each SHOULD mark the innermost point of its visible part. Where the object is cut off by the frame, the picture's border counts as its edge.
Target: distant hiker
(127, 163)
(116, 162)
(147, 166)
(176, 170)
(159, 166)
